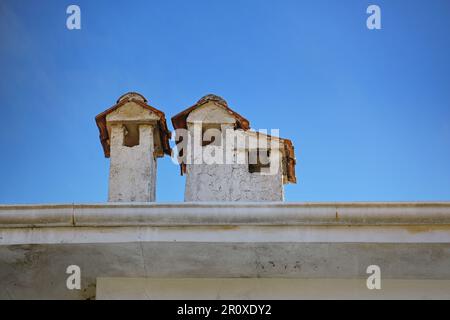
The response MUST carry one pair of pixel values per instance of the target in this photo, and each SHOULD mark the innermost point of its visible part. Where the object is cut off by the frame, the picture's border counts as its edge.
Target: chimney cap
(131, 95)
(212, 97)
(180, 121)
(139, 99)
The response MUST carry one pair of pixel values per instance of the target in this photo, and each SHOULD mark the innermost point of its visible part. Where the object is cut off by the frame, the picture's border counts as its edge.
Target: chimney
(133, 134)
(224, 160)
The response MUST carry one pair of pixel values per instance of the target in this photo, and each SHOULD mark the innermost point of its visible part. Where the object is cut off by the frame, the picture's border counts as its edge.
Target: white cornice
(225, 214)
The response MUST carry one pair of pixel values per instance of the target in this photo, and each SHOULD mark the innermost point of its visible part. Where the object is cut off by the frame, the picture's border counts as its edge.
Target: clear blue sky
(367, 111)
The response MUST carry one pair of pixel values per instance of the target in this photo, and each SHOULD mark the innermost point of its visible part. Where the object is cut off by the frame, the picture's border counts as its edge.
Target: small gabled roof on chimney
(139, 99)
(179, 120)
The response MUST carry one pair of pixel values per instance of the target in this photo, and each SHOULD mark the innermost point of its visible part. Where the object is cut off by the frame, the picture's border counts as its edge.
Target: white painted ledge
(225, 214)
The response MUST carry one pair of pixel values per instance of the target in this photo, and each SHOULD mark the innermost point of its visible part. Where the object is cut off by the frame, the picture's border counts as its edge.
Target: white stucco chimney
(236, 177)
(133, 135)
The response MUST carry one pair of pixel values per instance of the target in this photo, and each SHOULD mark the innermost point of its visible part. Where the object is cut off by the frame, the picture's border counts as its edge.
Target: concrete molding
(225, 214)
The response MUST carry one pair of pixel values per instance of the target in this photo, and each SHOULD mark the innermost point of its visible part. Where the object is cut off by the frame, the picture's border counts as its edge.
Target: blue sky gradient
(368, 111)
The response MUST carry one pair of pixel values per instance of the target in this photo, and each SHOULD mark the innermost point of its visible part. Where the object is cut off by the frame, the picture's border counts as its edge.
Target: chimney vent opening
(131, 135)
(211, 135)
(258, 160)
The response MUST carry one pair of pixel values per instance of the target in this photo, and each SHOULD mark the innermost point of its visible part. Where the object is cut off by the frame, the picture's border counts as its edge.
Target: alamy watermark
(73, 21)
(374, 280)
(73, 281)
(224, 145)
(373, 22)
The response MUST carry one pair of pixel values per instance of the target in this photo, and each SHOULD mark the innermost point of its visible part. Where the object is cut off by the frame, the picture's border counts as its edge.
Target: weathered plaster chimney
(242, 176)
(133, 134)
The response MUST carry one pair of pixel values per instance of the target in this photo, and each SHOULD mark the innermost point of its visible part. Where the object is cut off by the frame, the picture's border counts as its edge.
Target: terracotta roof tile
(179, 120)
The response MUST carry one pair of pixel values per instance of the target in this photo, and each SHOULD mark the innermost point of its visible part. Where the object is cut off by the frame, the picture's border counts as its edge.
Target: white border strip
(223, 214)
